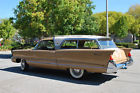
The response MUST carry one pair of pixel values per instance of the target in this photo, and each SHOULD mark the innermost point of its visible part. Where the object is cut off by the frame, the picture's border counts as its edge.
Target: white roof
(78, 36)
(59, 39)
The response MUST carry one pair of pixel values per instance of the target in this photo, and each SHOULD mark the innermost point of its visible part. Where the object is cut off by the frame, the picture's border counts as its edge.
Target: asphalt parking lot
(13, 80)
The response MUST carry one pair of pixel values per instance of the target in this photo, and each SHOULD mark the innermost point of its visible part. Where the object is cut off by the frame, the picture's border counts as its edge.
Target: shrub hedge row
(16, 45)
(126, 45)
(9, 45)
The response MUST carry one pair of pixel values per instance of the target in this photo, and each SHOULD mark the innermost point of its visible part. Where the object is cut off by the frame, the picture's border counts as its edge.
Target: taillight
(111, 58)
(129, 54)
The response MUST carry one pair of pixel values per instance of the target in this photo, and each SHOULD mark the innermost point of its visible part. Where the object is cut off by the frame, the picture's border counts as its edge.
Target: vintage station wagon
(76, 53)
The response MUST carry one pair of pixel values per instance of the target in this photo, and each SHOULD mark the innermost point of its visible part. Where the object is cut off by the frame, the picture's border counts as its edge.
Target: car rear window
(106, 43)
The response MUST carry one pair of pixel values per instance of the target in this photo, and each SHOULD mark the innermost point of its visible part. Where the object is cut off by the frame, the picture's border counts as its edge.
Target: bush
(139, 45)
(120, 46)
(6, 42)
(126, 45)
(16, 45)
(5, 47)
(136, 41)
(12, 45)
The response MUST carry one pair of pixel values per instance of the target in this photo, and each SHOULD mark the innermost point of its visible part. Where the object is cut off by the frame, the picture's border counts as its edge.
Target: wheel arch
(18, 60)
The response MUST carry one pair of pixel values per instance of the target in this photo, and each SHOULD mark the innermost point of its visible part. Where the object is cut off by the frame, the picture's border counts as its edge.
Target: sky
(7, 6)
(114, 5)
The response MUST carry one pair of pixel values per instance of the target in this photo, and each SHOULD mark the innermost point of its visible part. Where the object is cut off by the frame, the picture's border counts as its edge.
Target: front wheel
(24, 65)
(76, 73)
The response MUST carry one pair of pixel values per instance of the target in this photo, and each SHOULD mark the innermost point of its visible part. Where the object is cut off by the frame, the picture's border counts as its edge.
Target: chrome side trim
(84, 66)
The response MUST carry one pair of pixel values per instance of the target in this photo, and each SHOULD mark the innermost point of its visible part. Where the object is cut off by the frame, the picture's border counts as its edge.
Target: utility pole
(107, 30)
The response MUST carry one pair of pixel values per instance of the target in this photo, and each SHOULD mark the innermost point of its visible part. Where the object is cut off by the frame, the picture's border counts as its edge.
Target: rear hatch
(119, 56)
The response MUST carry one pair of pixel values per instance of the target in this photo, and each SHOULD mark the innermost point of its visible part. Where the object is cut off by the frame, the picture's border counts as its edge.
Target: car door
(43, 55)
(86, 55)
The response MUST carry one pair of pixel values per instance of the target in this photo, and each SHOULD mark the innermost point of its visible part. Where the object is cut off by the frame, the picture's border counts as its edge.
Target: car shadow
(90, 79)
(5, 56)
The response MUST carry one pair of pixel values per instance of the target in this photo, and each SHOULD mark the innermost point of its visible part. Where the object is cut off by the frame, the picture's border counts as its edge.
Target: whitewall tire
(24, 65)
(76, 73)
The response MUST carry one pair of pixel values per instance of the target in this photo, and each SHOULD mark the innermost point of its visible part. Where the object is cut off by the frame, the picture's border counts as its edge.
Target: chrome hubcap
(22, 65)
(76, 73)
(76, 70)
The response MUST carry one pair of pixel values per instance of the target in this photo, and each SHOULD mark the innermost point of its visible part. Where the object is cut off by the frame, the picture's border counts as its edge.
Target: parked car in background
(76, 53)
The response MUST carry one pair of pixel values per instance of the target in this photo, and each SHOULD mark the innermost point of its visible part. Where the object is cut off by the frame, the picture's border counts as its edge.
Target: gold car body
(92, 60)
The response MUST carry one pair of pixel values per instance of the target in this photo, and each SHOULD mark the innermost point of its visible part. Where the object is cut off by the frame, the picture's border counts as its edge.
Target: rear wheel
(24, 65)
(76, 73)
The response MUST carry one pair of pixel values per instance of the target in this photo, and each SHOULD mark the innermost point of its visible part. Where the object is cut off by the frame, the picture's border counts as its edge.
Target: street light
(107, 30)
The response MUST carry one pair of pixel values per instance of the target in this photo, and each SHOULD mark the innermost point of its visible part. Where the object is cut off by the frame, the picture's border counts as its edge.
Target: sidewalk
(5, 54)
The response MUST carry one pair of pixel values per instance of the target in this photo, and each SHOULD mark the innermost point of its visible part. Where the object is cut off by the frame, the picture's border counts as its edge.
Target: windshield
(104, 44)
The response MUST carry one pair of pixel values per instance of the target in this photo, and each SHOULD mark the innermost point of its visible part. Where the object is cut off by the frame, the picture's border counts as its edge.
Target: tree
(113, 18)
(121, 27)
(117, 23)
(7, 30)
(36, 18)
(134, 11)
(30, 18)
(135, 29)
(131, 20)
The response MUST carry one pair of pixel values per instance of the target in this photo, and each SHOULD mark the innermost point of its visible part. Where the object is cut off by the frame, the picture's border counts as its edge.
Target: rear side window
(69, 44)
(79, 44)
(88, 44)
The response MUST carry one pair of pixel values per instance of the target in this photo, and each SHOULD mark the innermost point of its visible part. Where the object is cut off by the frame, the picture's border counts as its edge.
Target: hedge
(126, 45)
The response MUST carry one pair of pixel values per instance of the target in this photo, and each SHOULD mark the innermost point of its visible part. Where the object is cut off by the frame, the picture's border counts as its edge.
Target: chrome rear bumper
(113, 67)
(130, 62)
